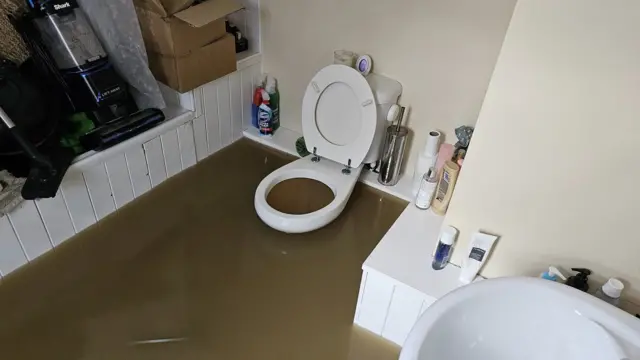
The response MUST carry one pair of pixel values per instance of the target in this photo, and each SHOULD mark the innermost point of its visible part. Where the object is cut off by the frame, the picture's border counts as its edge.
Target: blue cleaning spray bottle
(552, 274)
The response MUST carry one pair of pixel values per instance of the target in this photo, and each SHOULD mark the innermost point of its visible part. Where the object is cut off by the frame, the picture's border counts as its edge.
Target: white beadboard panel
(30, 230)
(388, 307)
(171, 152)
(197, 101)
(211, 114)
(155, 161)
(235, 91)
(120, 180)
(200, 137)
(363, 283)
(12, 256)
(376, 299)
(403, 313)
(246, 77)
(224, 111)
(56, 218)
(99, 188)
(76, 196)
(138, 170)
(187, 145)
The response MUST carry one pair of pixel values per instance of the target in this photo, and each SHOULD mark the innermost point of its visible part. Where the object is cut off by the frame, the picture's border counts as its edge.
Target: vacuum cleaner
(76, 75)
(61, 37)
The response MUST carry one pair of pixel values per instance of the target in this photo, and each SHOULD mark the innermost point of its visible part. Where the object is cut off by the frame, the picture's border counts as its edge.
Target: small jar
(427, 189)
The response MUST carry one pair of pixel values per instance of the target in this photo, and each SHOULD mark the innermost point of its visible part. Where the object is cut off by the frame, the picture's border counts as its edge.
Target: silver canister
(392, 154)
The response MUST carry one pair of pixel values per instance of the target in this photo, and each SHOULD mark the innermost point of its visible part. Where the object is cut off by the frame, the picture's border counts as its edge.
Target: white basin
(523, 319)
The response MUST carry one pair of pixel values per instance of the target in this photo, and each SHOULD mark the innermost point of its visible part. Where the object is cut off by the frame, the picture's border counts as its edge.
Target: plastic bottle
(444, 191)
(265, 116)
(427, 189)
(611, 291)
(257, 101)
(552, 274)
(444, 248)
(426, 160)
(271, 86)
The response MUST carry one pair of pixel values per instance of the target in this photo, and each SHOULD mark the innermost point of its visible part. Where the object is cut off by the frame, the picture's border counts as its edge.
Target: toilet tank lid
(385, 90)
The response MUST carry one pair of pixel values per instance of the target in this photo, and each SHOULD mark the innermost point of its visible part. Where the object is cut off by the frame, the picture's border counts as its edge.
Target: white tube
(432, 146)
(479, 249)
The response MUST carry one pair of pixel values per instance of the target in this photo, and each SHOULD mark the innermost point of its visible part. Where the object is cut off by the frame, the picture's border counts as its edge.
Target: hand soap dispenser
(553, 274)
(580, 280)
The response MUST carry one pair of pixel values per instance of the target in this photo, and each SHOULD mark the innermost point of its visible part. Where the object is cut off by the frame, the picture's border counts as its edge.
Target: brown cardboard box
(197, 68)
(174, 27)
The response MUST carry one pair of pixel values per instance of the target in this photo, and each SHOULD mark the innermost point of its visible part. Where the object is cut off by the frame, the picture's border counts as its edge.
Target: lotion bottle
(444, 191)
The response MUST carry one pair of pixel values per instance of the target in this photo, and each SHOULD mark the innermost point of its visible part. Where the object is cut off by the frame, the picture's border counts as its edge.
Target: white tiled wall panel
(387, 307)
(86, 196)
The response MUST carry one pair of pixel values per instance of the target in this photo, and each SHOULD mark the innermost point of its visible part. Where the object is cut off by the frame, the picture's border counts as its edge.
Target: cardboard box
(199, 67)
(176, 28)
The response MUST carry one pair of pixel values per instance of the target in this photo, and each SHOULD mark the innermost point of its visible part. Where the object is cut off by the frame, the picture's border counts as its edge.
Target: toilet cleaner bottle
(265, 116)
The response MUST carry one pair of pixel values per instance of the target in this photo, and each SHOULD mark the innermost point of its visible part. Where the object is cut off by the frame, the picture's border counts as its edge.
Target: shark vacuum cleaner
(66, 44)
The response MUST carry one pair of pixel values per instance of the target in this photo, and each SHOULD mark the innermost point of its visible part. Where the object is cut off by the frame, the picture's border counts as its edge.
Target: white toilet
(343, 121)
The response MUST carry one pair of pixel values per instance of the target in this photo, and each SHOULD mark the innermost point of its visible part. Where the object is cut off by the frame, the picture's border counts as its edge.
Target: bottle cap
(613, 288)
(448, 235)
(431, 174)
(270, 85)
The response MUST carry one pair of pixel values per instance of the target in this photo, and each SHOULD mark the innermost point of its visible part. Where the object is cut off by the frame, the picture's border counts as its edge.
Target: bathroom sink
(524, 319)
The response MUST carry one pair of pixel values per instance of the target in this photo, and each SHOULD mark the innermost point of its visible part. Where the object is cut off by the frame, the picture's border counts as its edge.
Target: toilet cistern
(343, 120)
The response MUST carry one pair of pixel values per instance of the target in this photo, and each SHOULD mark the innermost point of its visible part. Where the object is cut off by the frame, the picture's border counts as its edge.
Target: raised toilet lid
(339, 115)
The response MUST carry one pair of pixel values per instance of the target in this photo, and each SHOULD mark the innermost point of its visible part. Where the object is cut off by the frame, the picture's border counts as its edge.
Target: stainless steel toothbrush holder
(392, 153)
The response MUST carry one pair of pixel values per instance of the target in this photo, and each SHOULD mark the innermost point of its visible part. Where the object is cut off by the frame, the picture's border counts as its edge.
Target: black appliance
(24, 143)
(92, 84)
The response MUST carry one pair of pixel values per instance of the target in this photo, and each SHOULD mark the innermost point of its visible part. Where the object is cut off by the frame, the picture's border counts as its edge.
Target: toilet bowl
(341, 126)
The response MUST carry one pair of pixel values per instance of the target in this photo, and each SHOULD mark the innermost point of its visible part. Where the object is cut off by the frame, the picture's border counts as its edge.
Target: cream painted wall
(442, 51)
(553, 166)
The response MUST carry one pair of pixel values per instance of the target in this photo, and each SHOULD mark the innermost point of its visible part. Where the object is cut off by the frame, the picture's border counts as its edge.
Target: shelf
(247, 59)
(175, 117)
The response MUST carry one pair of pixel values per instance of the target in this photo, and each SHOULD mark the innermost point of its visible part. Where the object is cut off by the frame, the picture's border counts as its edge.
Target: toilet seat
(328, 173)
(339, 115)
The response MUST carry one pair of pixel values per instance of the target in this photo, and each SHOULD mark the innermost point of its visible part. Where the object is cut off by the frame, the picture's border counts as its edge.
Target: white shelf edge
(175, 117)
(248, 61)
(284, 140)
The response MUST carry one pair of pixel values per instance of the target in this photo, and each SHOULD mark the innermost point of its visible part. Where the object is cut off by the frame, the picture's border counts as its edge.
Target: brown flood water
(189, 271)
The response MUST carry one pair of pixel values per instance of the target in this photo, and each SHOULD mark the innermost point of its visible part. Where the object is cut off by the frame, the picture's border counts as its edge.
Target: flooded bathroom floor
(189, 271)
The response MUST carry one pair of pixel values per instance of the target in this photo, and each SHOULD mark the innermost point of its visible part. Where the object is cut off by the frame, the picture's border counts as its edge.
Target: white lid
(448, 235)
(385, 90)
(613, 288)
(339, 115)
